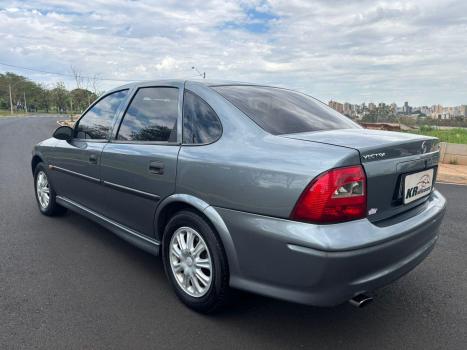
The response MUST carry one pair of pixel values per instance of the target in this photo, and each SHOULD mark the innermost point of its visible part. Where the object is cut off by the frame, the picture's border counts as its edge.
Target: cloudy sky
(345, 50)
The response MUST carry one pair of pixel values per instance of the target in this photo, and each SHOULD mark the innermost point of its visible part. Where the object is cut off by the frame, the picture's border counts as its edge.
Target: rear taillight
(335, 196)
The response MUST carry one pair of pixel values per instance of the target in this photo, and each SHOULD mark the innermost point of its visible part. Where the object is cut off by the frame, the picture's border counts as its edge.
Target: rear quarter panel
(250, 170)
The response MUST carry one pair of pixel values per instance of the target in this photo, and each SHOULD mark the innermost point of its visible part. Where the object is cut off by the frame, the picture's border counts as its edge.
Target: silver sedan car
(245, 186)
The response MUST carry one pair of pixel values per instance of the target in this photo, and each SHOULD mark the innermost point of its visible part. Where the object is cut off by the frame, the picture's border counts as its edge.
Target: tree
(23, 91)
(16, 83)
(46, 100)
(81, 98)
(78, 77)
(94, 87)
(60, 97)
(41, 97)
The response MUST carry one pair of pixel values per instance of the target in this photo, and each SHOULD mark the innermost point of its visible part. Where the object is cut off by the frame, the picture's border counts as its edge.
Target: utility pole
(199, 73)
(25, 103)
(11, 100)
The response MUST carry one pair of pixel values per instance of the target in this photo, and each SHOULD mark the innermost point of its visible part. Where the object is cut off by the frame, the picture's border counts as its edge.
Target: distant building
(358, 111)
(337, 106)
(436, 111)
(463, 111)
(425, 110)
(459, 111)
(446, 113)
(348, 109)
(406, 109)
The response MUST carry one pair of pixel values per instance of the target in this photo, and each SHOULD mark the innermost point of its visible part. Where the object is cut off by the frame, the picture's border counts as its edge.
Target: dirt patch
(452, 173)
(69, 122)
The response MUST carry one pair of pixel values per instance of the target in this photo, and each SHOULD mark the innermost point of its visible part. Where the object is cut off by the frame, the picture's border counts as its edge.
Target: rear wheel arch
(169, 210)
(179, 202)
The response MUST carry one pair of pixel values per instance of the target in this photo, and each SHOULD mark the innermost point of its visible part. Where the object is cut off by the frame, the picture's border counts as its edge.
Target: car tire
(187, 267)
(45, 194)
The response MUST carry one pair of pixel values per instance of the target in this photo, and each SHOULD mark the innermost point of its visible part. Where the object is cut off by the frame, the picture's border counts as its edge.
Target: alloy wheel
(43, 190)
(191, 262)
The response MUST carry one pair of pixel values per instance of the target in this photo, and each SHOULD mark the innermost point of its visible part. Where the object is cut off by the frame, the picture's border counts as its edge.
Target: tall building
(337, 106)
(436, 111)
(347, 109)
(406, 109)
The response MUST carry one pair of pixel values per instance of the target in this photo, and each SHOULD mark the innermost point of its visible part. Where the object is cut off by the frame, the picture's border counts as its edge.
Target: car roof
(204, 82)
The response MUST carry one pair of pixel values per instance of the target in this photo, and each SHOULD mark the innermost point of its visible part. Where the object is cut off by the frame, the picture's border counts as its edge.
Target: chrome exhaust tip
(360, 300)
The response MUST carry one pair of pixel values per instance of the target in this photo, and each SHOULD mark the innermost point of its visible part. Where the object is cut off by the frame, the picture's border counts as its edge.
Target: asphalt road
(68, 283)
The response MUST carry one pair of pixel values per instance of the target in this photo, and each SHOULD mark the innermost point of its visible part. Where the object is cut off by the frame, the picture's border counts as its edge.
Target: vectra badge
(423, 148)
(373, 156)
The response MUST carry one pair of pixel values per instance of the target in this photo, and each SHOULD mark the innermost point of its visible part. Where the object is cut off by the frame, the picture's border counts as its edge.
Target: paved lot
(68, 283)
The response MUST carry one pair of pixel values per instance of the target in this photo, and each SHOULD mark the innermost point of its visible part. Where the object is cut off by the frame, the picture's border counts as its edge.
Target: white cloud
(347, 50)
(168, 64)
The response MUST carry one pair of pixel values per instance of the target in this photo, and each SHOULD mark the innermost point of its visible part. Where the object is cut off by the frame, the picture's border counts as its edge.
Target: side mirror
(63, 133)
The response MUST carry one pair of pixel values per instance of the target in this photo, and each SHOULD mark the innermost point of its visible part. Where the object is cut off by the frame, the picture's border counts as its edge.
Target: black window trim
(117, 113)
(114, 135)
(183, 117)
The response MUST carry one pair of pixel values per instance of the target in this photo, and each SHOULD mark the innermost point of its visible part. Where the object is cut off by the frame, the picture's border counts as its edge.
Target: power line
(62, 74)
(87, 77)
(65, 74)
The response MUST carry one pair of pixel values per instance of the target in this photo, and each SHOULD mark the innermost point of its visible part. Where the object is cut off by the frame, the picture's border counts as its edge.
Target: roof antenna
(199, 73)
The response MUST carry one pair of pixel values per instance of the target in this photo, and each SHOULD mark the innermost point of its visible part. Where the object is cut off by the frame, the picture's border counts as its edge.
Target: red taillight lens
(335, 196)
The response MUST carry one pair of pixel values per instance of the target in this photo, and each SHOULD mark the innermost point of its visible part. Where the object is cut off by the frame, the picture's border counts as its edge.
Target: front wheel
(45, 194)
(195, 262)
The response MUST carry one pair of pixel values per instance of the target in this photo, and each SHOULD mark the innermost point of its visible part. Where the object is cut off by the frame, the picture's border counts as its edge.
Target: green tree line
(27, 95)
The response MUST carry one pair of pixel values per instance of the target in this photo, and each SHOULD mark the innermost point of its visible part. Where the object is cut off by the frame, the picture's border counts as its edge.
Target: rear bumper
(325, 265)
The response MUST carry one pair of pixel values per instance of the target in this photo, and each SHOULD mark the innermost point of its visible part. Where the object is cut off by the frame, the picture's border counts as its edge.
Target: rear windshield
(280, 111)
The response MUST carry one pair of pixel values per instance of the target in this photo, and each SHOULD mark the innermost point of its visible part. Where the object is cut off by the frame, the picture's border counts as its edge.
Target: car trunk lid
(387, 157)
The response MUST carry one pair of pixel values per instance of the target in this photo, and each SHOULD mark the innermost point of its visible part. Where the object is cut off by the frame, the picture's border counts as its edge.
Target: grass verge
(455, 135)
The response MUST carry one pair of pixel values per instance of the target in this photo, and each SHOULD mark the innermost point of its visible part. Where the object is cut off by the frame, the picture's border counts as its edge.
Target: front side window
(97, 122)
(280, 111)
(151, 116)
(200, 123)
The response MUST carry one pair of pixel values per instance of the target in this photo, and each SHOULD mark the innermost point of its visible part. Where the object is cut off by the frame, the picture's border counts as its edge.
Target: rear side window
(97, 122)
(151, 116)
(200, 123)
(281, 111)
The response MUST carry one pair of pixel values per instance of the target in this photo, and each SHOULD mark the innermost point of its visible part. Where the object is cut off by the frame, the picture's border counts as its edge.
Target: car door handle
(156, 168)
(93, 159)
